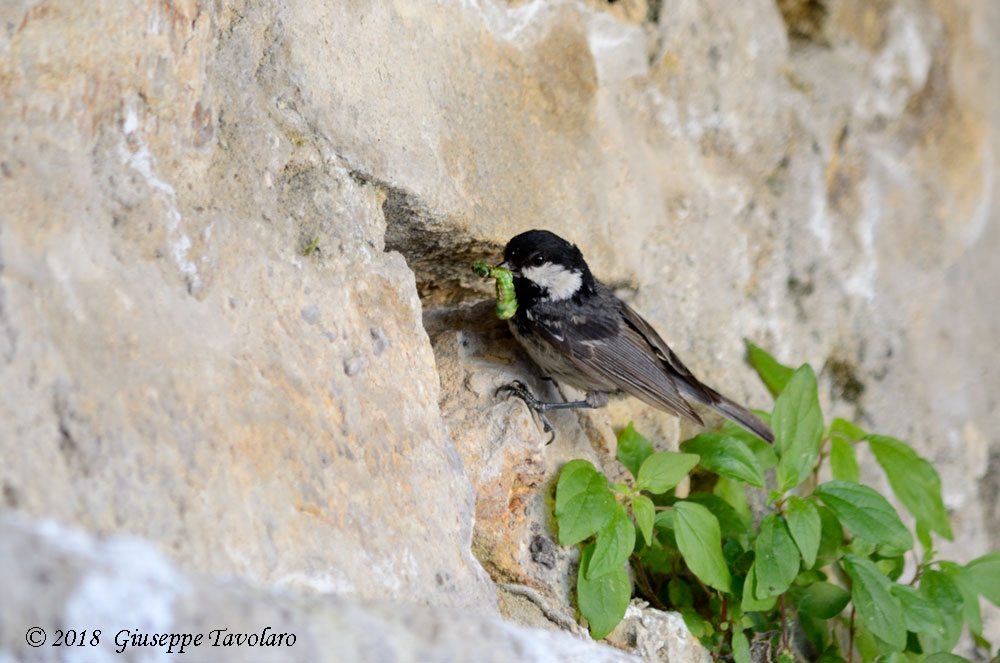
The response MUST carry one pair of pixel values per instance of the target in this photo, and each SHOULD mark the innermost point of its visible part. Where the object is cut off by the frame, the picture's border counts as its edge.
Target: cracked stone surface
(123, 587)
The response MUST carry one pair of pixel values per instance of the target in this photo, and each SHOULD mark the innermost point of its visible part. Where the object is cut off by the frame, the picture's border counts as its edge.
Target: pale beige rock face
(175, 367)
(658, 636)
(172, 365)
(61, 576)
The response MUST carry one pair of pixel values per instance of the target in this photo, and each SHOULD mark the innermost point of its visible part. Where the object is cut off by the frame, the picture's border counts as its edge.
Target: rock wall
(235, 296)
(129, 586)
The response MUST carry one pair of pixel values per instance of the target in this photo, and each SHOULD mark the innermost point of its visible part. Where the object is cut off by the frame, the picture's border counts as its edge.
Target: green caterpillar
(506, 301)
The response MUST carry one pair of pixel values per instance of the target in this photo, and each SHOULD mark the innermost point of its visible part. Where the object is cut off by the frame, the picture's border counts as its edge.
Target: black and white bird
(580, 333)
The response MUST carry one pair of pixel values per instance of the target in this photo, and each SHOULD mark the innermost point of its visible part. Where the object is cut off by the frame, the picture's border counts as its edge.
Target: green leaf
(823, 600)
(658, 560)
(764, 452)
(663, 531)
(878, 609)
(574, 479)
(583, 502)
(971, 614)
(734, 495)
(924, 537)
(815, 629)
(918, 614)
(831, 655)
(983, 643)
(914, 481)
(645, 514)
(985, 574)
(798, 428)
(941, 592)
(773, 374)
(679, 593)
(737, 557)
(859, 546)
(892, 567)
(945, 657)
(615, 543)
(777, 558)
(741, 647)
(735, 612)
(730, 522)
(664, 520)
(726, 456)
(700, 542)
(867, 644)
(847, 429)
(805, 527)
(602, 600)
(633, 449)
(749, 602)
(831, 536)
(664, 470)
(843, 460)
(697, 626)
(865, 513)
(808, 577)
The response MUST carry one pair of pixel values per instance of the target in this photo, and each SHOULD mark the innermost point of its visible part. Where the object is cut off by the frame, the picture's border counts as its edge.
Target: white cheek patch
(558, 281)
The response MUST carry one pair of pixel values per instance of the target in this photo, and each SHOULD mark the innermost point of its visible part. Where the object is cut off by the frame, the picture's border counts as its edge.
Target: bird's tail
(729, 409)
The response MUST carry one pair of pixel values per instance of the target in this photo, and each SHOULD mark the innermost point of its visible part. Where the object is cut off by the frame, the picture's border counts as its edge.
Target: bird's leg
(517, 388)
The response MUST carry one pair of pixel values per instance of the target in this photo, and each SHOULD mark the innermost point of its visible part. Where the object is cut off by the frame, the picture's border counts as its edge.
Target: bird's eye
(538, 260)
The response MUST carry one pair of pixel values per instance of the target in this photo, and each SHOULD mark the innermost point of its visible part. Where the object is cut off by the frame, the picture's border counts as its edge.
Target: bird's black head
(546, 267)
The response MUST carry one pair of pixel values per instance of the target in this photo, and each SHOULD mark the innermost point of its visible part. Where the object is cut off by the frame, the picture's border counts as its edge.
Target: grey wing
(689, 384)
(666, 355)
(612, 352)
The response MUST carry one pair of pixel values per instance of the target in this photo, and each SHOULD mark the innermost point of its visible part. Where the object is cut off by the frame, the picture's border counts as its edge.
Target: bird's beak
(506, 265)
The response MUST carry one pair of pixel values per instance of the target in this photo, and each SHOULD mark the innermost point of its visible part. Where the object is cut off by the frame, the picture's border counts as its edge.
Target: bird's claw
(517, 388)
(512, 388)
(547, 428)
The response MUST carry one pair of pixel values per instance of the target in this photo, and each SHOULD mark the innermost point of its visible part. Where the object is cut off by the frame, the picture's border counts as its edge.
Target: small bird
(582, 334)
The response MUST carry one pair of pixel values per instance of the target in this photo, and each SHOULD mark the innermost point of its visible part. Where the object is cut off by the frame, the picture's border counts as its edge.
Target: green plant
(311, 246)
(828, 556)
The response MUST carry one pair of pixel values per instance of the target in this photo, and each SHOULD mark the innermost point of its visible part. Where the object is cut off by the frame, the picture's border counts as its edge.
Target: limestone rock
(124, 588)
(656, 635)
(176, 368)
(504, 449)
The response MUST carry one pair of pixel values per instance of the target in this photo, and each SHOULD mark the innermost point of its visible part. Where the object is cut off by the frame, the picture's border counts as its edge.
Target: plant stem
(850, 646)
(704, 587)
(784, 623)
(820, 459)
(640, 574)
